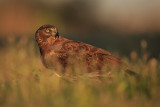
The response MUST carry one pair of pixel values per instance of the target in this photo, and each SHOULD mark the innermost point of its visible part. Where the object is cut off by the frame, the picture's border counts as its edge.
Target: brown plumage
(55, 50)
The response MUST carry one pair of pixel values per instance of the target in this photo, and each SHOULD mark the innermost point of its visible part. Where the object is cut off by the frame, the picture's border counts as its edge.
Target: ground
(25, 82)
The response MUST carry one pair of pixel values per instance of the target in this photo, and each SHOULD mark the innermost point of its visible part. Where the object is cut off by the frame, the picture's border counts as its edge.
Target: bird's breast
(55, 48)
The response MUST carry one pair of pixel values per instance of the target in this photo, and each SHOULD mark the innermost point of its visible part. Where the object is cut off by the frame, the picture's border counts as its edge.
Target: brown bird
(56, 50)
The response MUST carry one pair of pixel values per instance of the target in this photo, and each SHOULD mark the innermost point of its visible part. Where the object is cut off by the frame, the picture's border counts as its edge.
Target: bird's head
(47, 31)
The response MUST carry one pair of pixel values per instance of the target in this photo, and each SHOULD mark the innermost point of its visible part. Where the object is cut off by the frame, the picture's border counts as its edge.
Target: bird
(57, 50)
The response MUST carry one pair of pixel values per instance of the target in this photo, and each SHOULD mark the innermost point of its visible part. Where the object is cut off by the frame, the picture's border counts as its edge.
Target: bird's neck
(44, 44)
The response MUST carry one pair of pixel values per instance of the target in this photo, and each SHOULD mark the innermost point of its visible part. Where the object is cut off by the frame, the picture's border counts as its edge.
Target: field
(24, 82)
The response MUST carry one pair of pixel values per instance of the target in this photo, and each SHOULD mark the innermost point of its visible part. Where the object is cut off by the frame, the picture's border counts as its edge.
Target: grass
(24, 82)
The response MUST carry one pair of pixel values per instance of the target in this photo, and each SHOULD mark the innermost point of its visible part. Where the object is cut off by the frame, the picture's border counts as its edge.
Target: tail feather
(132, 73)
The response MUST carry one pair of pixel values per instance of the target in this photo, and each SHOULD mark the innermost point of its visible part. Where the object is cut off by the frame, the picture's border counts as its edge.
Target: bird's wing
(79, 47)
(74, 46)
(89, 52)
(106, 57)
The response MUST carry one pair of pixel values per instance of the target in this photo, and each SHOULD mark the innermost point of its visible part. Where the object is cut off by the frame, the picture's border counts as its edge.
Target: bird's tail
(132, 73)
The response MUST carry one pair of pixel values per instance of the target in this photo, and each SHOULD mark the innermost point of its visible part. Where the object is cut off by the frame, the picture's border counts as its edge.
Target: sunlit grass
(25, 82)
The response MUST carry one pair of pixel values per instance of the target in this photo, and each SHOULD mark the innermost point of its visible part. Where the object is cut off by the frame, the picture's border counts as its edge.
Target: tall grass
(24, 82)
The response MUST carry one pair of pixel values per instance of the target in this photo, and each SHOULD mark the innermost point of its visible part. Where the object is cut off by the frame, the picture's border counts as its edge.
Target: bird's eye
(47, 30)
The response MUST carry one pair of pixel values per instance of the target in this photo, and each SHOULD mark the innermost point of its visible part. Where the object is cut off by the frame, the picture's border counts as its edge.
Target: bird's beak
(53, 33)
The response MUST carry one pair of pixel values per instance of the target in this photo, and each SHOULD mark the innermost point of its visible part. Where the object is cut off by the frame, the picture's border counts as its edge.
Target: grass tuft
(25, 82)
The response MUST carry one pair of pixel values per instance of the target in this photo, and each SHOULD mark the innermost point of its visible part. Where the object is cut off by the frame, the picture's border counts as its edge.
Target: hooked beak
(53, 33)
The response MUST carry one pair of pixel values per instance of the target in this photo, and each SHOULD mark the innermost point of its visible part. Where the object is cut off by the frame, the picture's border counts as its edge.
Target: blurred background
(119, 26)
